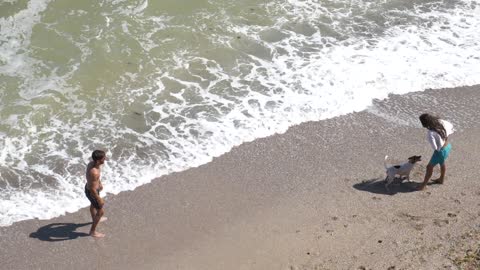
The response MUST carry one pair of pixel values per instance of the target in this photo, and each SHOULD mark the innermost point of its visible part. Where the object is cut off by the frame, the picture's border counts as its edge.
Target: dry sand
(311, 198)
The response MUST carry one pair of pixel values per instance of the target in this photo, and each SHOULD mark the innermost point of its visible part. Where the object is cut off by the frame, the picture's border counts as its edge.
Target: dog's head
(414, 159)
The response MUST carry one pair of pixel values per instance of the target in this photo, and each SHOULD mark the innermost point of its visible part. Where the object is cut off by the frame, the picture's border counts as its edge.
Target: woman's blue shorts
(439, 157)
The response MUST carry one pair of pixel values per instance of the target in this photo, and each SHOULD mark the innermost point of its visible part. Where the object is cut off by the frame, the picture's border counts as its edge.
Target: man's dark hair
(98, 155)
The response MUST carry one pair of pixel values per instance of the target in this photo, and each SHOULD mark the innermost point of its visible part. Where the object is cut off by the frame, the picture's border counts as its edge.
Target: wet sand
(311, 198)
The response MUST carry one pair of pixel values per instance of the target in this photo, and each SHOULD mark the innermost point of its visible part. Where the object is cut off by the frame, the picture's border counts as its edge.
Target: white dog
(400, 170)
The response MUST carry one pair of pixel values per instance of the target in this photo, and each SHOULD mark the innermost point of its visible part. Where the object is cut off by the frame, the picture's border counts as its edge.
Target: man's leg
(93, 212)
(428, 174)
(96, 220)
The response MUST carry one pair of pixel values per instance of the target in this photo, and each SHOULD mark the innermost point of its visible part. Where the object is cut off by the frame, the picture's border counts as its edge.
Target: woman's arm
(445, 143)
(434, 140)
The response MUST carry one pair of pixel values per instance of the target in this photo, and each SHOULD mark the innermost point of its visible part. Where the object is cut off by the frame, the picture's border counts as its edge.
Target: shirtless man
(92, 191)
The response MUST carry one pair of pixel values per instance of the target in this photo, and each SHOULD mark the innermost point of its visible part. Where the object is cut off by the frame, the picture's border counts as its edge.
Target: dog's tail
(385, 162)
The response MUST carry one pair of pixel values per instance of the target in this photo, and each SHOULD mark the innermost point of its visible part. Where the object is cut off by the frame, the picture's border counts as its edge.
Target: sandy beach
(311, 198)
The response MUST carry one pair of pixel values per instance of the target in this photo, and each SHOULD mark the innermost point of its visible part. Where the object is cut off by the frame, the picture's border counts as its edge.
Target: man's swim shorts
(92, 199)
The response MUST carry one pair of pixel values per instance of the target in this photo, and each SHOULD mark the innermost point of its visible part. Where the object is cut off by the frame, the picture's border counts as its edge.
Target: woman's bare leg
(443, 170)
(428, 175)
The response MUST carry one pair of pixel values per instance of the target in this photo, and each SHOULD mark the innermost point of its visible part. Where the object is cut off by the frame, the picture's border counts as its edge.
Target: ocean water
(163, 86)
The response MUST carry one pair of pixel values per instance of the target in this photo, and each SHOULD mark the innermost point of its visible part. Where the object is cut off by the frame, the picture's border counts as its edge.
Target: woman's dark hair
(98, 155)
(432, 122)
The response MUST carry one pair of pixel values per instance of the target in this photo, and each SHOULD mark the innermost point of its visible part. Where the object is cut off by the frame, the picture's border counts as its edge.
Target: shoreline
(306, 199)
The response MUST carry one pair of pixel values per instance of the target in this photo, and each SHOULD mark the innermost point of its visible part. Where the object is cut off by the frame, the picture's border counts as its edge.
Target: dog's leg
(388, 181)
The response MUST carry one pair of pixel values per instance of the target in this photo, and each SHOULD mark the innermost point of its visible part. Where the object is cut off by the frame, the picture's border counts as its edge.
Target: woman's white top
(435, 139)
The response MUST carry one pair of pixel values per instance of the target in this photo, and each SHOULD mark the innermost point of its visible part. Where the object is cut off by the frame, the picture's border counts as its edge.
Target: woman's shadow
(59, 232)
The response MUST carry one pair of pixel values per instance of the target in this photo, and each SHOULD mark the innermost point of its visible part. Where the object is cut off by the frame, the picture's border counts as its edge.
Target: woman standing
(437, 135)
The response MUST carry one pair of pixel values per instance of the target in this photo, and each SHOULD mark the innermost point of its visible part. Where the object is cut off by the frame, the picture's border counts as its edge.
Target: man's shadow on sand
(59, 232)
(377, 186)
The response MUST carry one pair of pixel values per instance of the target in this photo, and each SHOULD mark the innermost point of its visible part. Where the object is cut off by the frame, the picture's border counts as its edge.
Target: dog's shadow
(377, 185)
(59, 232)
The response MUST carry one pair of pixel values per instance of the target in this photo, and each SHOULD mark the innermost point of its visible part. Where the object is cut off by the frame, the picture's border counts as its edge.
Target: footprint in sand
(451, 215)
(410, 217)
(307, 266)
(440, 222)
(455, 200)
(425, 194)
(419, 226)
(414, 221)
